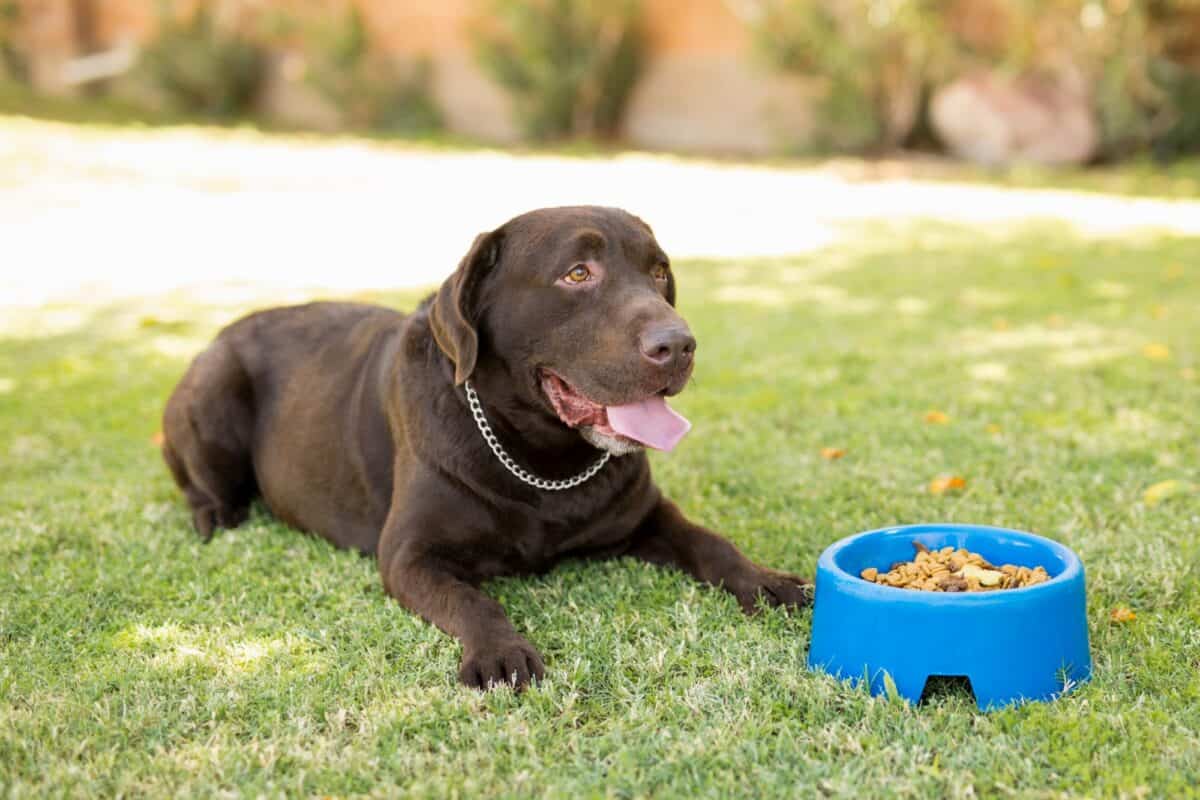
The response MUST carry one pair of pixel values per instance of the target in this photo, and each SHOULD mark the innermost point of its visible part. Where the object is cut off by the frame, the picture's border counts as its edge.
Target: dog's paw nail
(775, 589)
(514, 664)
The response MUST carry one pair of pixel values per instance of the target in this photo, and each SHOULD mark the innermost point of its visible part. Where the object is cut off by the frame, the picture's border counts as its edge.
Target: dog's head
(576, 306)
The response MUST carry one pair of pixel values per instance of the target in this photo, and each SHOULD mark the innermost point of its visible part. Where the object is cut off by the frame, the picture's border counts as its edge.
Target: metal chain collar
(515, 468)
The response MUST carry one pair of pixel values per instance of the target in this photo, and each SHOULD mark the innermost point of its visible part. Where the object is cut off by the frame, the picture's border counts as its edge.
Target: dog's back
(308, 371)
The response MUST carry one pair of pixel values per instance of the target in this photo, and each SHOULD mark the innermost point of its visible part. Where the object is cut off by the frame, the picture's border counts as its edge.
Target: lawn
(135, 660)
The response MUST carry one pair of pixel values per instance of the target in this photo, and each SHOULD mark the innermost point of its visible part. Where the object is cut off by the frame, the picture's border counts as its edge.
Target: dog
(497, 430)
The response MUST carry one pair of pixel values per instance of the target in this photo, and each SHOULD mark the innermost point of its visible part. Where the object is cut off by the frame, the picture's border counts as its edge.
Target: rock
(287, 96)
(993, 121)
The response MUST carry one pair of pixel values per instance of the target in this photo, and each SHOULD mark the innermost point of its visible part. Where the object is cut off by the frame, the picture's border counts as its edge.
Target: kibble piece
(954, 584)
(986, 577)
(954, 570)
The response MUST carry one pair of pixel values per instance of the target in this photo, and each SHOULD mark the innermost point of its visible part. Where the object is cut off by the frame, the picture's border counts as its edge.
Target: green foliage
(570, 65)
(872, 55)
(1133, 56)
(370, 91)
(12, 61)
(1106, 52)
(1182, 136)
(1145, 96)
(201, 68)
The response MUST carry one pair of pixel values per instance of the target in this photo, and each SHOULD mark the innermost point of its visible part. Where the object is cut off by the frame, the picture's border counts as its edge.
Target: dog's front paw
(774, 588)
(511, 661)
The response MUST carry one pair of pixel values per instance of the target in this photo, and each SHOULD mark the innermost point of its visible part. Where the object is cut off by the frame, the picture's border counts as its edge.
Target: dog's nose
(667, 346)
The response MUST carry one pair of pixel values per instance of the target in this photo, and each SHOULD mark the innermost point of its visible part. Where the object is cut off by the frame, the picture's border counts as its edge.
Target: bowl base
(988, 695)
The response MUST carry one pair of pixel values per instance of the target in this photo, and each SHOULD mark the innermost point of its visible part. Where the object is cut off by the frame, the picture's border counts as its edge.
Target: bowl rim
(827, 562)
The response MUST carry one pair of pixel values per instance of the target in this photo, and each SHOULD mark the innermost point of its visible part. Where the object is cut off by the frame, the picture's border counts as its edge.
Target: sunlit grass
(136, 661)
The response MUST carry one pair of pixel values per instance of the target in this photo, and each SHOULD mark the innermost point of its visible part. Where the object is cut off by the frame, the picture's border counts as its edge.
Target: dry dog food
(950, 570)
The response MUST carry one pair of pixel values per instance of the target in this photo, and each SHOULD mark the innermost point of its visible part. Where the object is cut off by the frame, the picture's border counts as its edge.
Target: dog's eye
(578, 274)
(661, 272)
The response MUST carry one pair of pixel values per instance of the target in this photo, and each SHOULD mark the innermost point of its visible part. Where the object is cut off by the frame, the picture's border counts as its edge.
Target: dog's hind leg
(208, 427)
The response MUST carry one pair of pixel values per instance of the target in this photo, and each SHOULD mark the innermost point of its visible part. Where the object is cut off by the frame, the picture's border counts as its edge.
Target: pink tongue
(651, 422)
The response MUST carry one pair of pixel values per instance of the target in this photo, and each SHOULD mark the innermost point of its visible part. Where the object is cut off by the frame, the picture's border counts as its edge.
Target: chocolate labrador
(496, 430)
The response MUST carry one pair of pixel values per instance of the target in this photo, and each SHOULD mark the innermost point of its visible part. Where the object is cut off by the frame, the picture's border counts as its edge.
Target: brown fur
(350, 421)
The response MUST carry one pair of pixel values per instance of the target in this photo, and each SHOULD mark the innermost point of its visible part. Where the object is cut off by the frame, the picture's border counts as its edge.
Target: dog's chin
(616, 445)
(590, 418)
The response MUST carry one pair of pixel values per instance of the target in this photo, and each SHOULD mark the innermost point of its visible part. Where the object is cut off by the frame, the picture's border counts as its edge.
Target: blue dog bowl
(1012, 645)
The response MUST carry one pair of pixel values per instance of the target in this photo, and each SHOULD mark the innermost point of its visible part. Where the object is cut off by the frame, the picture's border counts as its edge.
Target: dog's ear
(452, 315)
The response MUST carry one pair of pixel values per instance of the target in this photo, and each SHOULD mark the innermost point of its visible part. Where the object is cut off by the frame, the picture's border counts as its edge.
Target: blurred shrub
(368, 90)
(570, 65)
(1147, 84)
(200, 67)
(1138, 60)
(1182, 135)
(12, 62)
(870, 56)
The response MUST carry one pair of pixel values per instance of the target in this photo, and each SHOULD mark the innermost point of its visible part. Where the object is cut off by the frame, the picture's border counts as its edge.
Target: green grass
(136, 661)
(1138, 177)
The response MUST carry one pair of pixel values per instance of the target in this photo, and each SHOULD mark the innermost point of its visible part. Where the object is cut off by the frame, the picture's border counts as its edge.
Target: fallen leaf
(952, 483)
(1000, 324)
(994, 429)
(1174, 272)
(1056, 321)
(157, 439)
(1160, 312)
(832, 453)
(1122, 614)
(1156, 351)
(937, 417)
(1188, 374)
(1164, 489)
